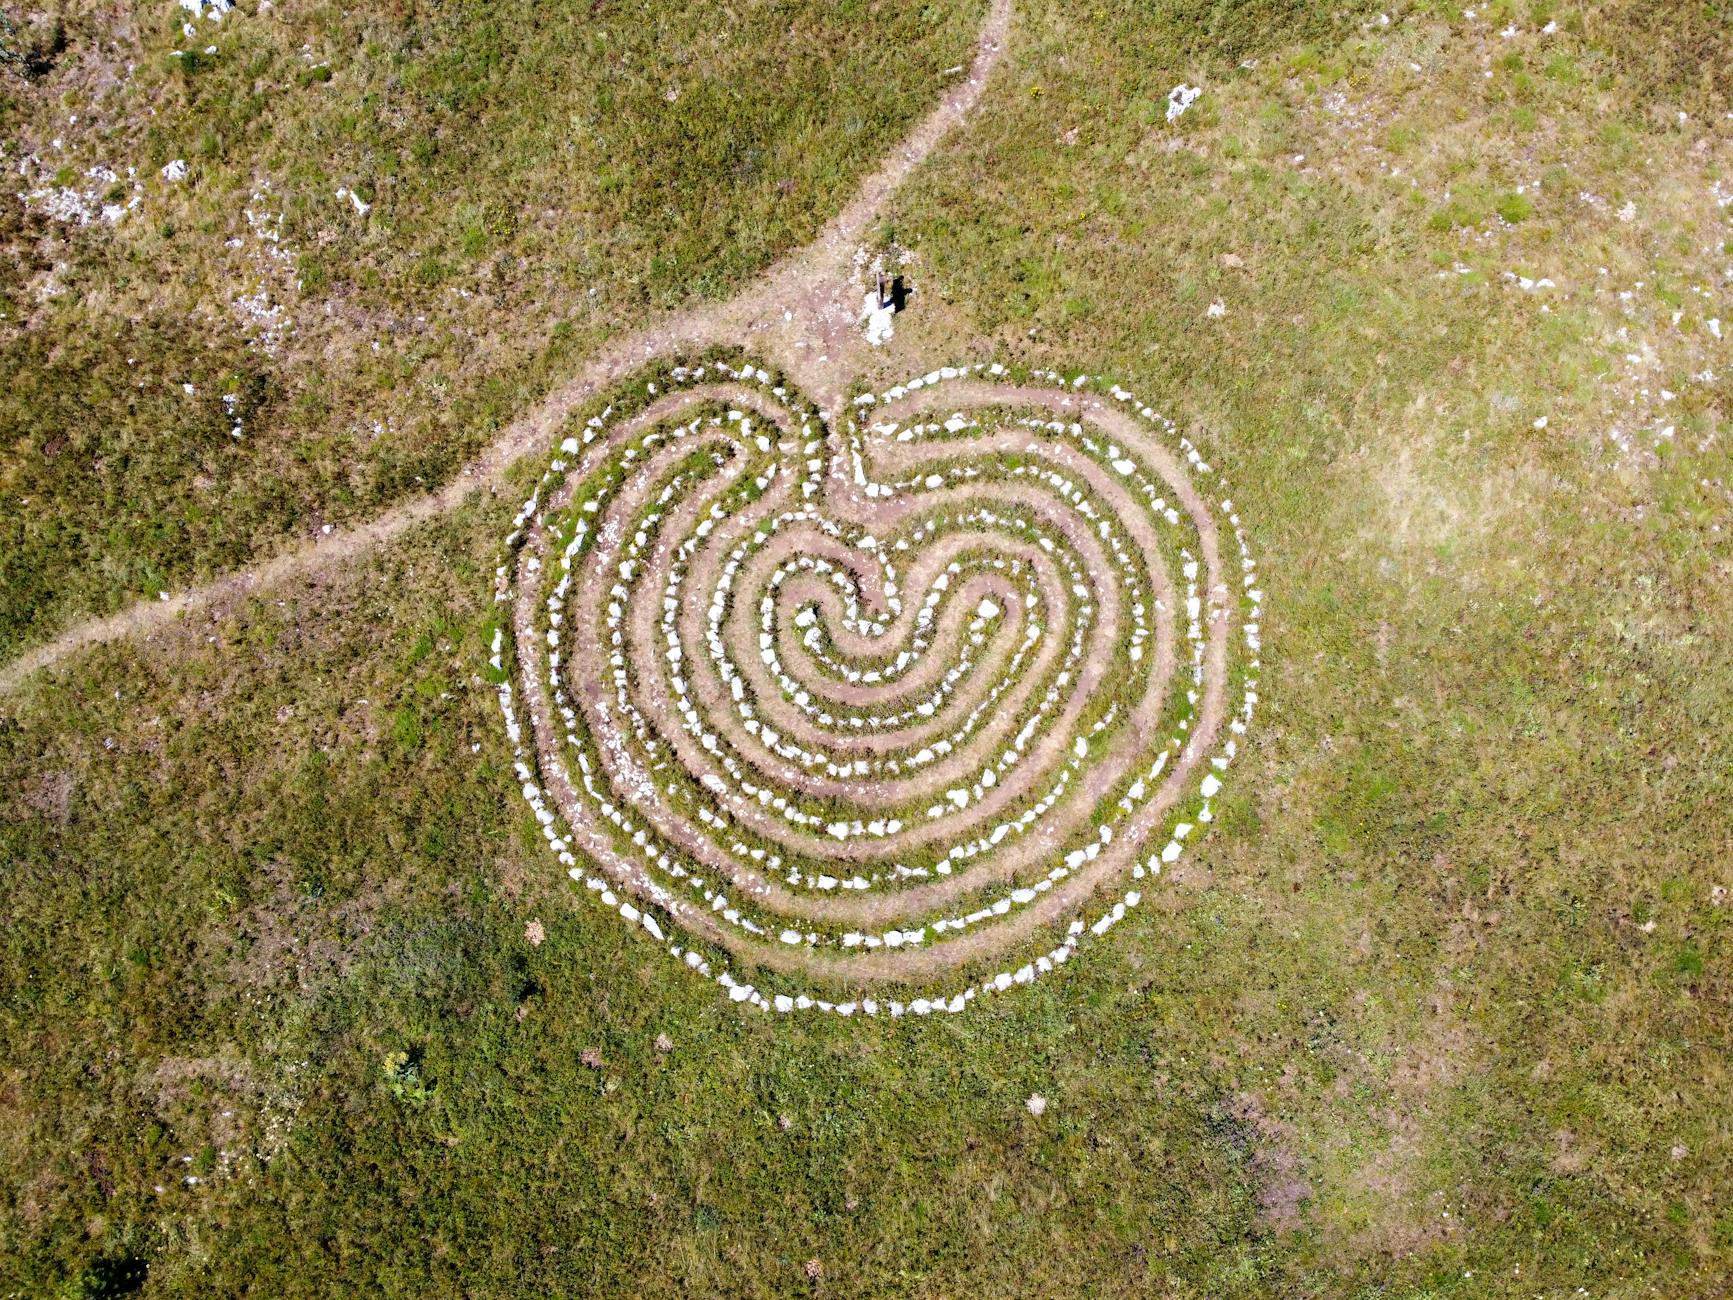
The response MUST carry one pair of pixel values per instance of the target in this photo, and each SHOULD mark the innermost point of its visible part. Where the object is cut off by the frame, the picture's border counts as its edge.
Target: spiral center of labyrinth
(886, 718)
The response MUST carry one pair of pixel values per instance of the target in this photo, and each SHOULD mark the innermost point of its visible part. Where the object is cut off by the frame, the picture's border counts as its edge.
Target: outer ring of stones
(1055, 498)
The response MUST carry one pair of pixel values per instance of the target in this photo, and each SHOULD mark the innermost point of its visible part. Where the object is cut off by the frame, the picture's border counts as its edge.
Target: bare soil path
(801, 314)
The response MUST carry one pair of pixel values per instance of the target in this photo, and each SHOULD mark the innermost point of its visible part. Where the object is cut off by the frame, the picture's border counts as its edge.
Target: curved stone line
(726, 897)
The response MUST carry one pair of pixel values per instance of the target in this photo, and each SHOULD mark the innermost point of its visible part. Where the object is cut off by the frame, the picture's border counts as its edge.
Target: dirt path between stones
(607, 709)
(801, 315)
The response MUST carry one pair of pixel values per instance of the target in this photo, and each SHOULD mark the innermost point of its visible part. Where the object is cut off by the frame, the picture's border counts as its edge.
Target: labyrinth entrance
(889, 717)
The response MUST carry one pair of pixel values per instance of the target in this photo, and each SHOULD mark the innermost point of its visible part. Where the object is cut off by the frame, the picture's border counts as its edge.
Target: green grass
(1449, 978)
(538, 179)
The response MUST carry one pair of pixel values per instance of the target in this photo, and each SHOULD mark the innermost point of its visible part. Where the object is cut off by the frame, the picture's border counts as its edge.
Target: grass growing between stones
(1440, 1007)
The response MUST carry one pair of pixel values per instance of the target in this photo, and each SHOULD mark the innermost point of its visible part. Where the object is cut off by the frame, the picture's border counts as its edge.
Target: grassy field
(1440, 1008)
(533, 179)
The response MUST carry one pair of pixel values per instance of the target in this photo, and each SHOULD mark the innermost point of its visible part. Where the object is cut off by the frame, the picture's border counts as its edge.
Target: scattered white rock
(879, 320)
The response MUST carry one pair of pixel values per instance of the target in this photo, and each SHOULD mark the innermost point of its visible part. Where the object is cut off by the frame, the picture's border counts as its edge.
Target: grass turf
(1439, 1009)
(535, 178)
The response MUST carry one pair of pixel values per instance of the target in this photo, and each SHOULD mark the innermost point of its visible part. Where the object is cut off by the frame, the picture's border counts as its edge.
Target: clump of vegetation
(31, 53)
(1514, 207)
(402, 1074)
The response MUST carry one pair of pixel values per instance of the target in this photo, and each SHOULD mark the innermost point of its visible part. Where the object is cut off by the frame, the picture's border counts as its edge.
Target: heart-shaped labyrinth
(891, 717)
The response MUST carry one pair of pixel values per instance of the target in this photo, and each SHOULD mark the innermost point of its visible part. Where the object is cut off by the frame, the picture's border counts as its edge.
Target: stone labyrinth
(887, 718)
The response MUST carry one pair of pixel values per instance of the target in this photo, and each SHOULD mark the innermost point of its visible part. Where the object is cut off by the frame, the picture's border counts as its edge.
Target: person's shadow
(893, 292)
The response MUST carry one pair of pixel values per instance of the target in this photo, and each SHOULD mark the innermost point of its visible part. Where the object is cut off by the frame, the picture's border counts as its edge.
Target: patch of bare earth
(1269, 1151)
(292, 939)
(1410, 1211)
(50, 795)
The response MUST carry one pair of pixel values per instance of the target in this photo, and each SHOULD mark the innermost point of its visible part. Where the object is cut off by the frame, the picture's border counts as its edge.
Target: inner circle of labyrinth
(889, 717)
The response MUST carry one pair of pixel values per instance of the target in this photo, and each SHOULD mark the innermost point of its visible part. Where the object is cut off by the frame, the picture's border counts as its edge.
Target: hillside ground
(1439, 1008)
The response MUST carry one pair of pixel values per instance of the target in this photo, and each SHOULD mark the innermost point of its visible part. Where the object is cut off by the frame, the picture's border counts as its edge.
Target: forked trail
(801, 315)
